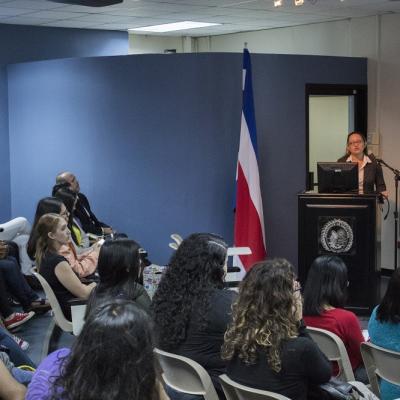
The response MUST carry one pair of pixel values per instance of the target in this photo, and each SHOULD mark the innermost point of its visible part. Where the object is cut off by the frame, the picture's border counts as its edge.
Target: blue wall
(154, 138)
(27, 43)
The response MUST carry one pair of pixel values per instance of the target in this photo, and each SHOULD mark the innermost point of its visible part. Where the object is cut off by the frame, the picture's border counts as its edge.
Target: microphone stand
(396, 174)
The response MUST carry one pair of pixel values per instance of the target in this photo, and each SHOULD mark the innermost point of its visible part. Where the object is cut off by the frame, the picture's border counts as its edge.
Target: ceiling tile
(236, 15)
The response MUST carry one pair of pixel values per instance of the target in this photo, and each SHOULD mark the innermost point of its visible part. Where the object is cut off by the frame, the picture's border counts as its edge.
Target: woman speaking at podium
(370, 176)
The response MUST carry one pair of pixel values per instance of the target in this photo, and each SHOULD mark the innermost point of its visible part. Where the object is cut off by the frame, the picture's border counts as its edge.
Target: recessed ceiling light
(175, 26)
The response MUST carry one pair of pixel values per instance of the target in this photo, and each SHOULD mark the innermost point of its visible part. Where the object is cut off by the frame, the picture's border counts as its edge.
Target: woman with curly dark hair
(112, 359)
(266, 345)
(191, 309)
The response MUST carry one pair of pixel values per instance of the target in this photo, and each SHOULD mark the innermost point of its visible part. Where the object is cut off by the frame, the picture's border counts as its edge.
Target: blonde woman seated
(52, 233)
(266, 345)
(83, 264)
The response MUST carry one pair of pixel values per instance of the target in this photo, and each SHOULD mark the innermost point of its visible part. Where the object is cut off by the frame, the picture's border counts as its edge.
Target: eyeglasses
(355, 142)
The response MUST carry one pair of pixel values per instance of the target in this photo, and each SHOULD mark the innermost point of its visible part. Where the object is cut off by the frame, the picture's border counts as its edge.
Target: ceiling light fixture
(279, 3)
(89, 3)
(175, 26)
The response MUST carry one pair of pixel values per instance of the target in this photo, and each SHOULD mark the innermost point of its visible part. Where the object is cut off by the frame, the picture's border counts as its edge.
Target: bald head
(70, 178)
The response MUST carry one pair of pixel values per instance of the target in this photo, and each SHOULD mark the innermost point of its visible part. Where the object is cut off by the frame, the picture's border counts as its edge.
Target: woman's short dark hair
(389, 309)
(195, 270)
(119, 268)
(46, 205)
(326, 285)
(112, 358)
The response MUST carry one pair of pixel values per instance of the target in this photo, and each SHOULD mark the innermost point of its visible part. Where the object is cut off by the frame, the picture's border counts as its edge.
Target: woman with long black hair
(111, 359)
(325, 295)
(120, 268)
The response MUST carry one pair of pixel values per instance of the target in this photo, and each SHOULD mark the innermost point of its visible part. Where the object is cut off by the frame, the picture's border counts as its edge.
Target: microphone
(379, 160)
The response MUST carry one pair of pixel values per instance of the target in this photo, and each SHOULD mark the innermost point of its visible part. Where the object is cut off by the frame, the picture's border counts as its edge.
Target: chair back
(236, 391)
(78, 311)
(382, 363)
(332, 346)
(185, 375)
(177, 238)
(59, 317)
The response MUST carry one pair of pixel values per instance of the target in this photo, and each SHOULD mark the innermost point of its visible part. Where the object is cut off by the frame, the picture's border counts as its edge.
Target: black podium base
(344, 225)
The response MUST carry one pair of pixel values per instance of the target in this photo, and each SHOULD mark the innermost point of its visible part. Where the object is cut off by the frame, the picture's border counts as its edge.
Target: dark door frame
(360, 93)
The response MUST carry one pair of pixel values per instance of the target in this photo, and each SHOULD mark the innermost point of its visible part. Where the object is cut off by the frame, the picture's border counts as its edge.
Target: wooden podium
(344, 225)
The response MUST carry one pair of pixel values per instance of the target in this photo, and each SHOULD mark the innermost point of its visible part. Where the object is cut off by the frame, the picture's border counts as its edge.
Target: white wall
(377, 38)
(144, 44)
(329, 125)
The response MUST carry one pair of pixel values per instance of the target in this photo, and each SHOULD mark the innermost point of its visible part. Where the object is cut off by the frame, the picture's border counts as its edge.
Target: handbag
(336, 389)
(339, 390)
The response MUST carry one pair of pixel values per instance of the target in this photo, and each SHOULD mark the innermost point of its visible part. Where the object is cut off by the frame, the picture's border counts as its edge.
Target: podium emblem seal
(337, 236)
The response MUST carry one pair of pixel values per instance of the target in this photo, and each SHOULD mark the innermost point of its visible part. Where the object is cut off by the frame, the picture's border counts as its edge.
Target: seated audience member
(191, 309)
(266, 345)
(384, 329)
(21, 375)
(47, 205)
(69, 198)
(325, 295)
(15, 352)
(90, 223)
(13, 282)
(11, 319)
(120, 267)
(17, 230)
(10, 389)
(111, 359)
(52, 234)
(83, 264)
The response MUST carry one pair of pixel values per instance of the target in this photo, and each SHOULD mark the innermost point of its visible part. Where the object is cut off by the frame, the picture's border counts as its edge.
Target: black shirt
(47, 268)
(204, 345)
(302, 363)
(138, 295)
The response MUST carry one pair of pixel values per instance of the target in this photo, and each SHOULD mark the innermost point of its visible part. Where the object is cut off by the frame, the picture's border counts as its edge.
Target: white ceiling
(234, 15)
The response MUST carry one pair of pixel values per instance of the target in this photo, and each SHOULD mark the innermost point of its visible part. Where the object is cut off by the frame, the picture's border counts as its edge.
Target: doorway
(332, 111)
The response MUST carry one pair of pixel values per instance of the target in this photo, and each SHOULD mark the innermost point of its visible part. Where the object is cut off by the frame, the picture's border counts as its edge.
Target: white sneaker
(21, 342)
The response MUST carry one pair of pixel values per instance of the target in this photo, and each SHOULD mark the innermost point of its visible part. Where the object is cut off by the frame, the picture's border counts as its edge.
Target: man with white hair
(89, 221)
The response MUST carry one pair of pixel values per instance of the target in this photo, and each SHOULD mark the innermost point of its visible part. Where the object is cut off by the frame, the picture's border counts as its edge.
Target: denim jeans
(5, 308)
(16, 283)
(175, 395)
(16, 354)
(21, 376)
